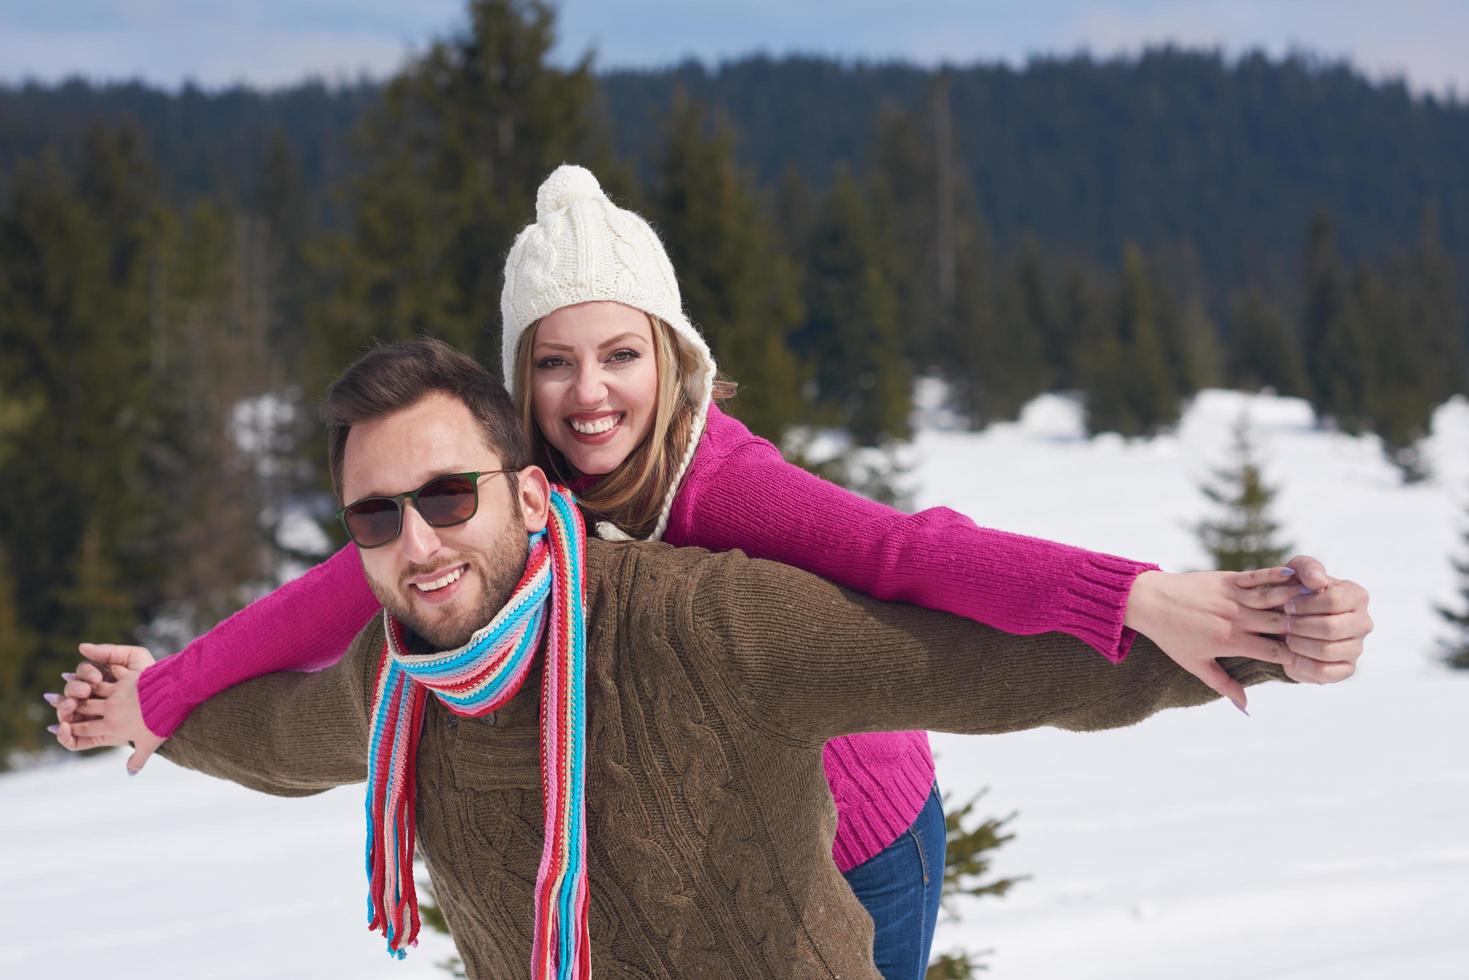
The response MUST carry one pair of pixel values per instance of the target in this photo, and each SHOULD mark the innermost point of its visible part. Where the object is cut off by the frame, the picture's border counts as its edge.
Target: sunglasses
(443, 501)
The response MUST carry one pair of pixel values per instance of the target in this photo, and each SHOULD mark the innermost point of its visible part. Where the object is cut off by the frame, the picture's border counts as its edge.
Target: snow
(1322, 837)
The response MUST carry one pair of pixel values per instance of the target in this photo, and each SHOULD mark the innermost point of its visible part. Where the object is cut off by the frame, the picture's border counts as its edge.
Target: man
(694, 742)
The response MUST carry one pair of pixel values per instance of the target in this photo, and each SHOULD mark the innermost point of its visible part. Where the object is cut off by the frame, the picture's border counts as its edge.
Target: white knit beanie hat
(582, 248)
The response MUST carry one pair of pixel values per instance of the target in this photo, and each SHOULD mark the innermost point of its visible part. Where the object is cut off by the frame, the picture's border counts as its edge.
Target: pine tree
(1264, 351)
(1191, 342)
(1083, 311)
(1404, 389)
(1436, 306)
(1325, 297)
(1153, 393)
(923, 204)
(94, 605)
(1042, 293)
(795, 213)
(1005, 358)
(1344, 365)
(737, 284)
(954, 965)
(453, 154)
(1456, 647)
(1128, 384)
(852, 337)
(1200, 351)
(1243, 534)
(80, 290)
(221, 319)
(1417, 354)
(1337, 328)
(967, 861)
(289, 226)
(990, 336)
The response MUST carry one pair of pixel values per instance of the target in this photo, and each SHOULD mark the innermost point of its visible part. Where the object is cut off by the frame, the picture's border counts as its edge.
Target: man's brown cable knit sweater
(714, 680)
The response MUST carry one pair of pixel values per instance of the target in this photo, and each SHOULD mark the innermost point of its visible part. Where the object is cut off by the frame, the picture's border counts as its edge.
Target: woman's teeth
(439, 583)
(596, 426)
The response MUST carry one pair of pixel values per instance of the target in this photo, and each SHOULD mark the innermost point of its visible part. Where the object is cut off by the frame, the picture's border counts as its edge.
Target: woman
(617, 391)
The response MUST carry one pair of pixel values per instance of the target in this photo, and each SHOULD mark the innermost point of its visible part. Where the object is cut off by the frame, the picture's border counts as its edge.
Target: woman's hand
(101, 708)
(1296, 616)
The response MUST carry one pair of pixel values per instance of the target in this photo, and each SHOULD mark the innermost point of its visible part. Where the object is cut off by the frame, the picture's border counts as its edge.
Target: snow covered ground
(1325, 836)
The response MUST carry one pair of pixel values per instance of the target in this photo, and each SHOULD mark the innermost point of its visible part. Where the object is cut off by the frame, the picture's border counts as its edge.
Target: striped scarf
(472, 681)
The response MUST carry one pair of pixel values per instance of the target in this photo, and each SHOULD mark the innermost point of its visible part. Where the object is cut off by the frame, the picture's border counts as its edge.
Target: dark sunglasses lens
(447, 501)
(373, 522)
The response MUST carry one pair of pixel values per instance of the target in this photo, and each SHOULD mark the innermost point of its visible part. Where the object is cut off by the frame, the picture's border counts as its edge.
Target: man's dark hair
(392, 377)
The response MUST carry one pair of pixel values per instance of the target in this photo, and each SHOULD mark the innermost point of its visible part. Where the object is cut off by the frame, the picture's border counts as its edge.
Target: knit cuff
(882, 780)
(162, 698)
(1096, 604)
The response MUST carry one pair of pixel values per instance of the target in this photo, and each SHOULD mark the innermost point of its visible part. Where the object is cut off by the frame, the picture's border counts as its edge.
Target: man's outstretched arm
(812, 661)
(288, 733)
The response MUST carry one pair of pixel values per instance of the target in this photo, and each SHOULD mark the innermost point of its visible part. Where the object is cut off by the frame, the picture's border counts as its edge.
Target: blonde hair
(632, 495)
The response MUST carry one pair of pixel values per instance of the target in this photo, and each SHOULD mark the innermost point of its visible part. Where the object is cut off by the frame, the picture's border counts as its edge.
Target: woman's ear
(534, 491)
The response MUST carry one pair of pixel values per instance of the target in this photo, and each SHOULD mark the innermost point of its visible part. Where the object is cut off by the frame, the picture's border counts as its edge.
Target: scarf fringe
(471, 682)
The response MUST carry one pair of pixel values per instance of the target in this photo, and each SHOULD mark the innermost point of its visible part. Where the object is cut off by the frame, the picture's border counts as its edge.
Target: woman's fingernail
(53, 729)
(133, 772)
(1306, 591)
(1287, 572)
(68, 676)
(51, 699)
(1240, 707)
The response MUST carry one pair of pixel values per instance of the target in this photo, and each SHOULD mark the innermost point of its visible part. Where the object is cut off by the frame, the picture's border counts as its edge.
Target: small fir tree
(1456, 648)
(970, 852)
(1324, 284)
(1347, 375)
(854, 329)
(738, 284)
(1244, 534)
(1264, 349)
(1127, 382)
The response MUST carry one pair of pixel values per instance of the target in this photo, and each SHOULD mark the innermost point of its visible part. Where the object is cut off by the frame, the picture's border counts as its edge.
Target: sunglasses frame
(398, 502)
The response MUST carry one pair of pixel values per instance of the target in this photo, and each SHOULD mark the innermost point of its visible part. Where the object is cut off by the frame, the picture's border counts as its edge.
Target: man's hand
(100, 704)
(1296, 616)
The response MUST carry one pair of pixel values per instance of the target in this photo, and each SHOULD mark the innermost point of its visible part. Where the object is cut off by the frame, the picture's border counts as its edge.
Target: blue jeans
(900, 888)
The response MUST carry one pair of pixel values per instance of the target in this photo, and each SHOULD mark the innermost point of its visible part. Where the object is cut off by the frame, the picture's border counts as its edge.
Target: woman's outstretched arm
(306, 624)
(741, 493)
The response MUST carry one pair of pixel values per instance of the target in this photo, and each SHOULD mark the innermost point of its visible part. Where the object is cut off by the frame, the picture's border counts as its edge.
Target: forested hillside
(1231, 157)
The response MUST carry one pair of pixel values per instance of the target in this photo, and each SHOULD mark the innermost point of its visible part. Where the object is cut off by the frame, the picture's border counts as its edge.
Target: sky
(277, 42)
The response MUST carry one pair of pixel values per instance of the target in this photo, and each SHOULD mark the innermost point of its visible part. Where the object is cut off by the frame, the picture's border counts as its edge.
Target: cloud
(211, 44)
(1422, 41)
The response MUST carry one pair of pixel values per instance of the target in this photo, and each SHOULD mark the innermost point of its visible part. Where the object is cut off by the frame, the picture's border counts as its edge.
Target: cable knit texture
(740, 493)
(713, 683)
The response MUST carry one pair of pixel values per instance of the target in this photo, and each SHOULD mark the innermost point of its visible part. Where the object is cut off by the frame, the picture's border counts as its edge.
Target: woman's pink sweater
(739, 493)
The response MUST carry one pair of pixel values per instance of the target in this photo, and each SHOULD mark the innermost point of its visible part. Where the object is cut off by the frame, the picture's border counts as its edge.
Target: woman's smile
(595, 428)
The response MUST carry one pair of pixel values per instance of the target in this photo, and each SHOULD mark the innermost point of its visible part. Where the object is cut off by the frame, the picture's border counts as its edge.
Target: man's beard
(498, 571)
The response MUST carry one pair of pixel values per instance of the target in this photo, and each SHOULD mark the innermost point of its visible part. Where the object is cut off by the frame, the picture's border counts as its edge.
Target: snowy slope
(1324, 836)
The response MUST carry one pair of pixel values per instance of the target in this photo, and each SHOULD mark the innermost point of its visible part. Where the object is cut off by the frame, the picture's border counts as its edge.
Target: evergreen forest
(181, 272)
